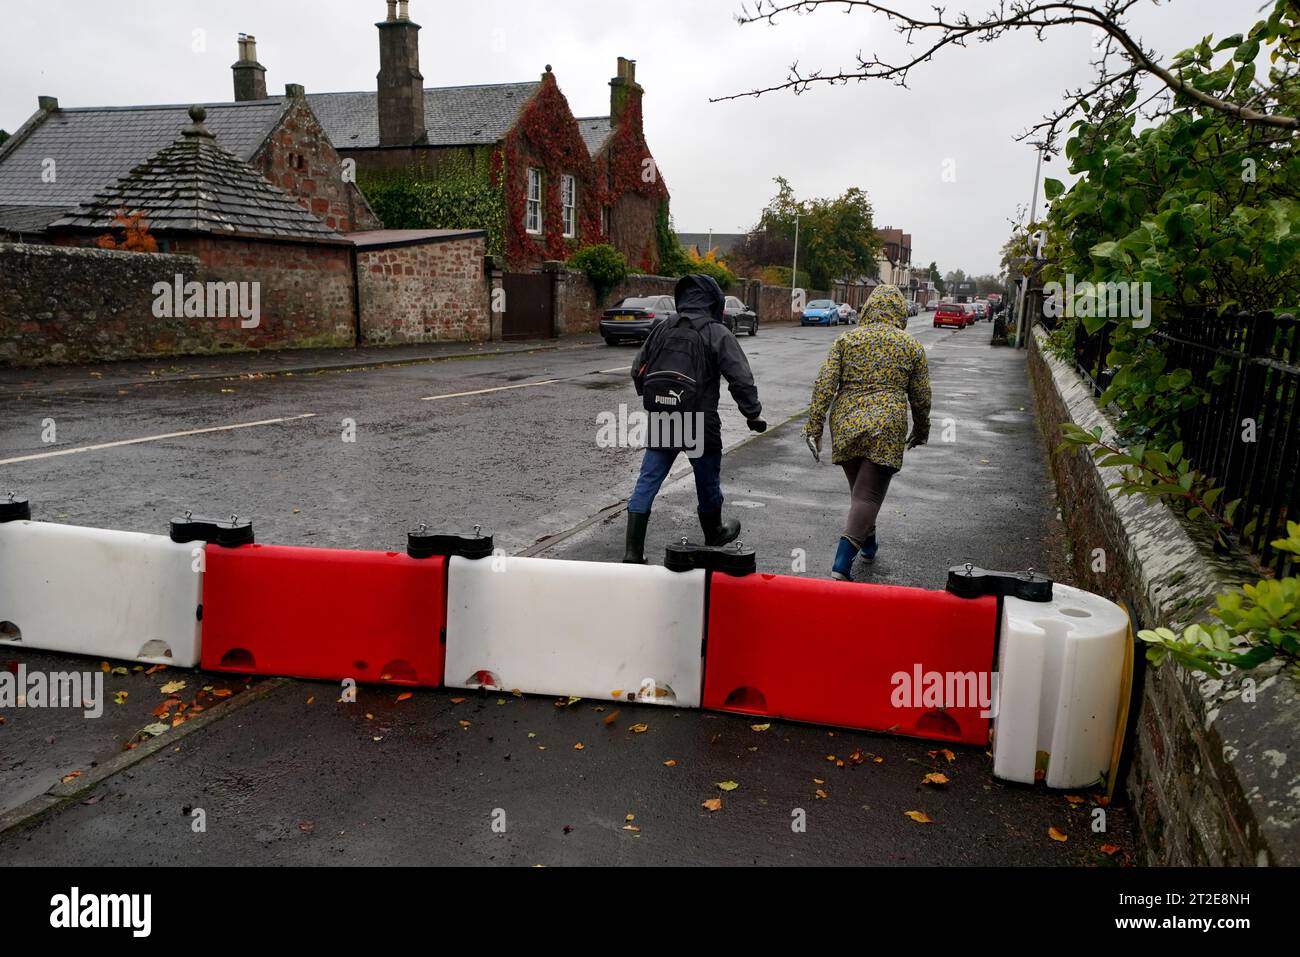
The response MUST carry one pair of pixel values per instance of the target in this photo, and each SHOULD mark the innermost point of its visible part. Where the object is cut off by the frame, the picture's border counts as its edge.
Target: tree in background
(4, 135)
(837, 239)
(709, 265)
(932, 274)
(841, 238)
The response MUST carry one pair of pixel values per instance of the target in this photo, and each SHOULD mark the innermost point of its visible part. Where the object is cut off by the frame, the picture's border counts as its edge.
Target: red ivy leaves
(546, 136)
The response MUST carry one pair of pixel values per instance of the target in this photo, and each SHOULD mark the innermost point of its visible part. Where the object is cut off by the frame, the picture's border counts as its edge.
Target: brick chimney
(623, 91)
(401, 87)
(250, 76)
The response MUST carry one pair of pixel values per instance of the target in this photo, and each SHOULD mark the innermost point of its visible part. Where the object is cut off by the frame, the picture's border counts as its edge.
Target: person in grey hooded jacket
(700, 303)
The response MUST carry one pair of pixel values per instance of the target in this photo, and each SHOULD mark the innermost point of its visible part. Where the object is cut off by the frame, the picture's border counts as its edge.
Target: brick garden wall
(1209, 778)
(425, 292)
(306, 293)
(299, 158)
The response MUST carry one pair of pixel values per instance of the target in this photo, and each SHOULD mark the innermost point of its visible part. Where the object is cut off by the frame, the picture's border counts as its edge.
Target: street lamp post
(1022, 334)
(794, 267)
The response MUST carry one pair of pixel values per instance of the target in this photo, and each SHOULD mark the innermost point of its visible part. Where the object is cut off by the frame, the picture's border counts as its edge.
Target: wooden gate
(530, 306)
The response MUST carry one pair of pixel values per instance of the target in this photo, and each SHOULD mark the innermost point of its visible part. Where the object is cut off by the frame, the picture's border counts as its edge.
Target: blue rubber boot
(842, 570)
(869, 549)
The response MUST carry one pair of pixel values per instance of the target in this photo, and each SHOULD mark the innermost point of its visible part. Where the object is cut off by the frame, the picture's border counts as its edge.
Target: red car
(950, 314)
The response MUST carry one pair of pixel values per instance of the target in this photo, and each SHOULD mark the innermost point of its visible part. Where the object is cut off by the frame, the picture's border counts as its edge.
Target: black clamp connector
(15, 509)
(227, 532)
(422, 543)
(735, 559)
(968, 581)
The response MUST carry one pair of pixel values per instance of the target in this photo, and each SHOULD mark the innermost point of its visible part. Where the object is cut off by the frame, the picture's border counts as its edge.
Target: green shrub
(604, 267)
(459, 198)
(724, 276)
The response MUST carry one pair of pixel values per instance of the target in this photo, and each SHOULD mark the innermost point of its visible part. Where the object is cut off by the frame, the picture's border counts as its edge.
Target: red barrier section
(324, 613)
(872, 657)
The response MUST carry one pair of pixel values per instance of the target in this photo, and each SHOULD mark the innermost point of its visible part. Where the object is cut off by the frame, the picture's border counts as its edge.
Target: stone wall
(577, 308)
(63, 304)
(77, 305)
(299, 158)
(1212, 775)
(424, 292)
(774, 303)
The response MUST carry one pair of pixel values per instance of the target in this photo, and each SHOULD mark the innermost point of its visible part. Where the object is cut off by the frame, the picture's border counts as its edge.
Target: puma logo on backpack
(675, 373)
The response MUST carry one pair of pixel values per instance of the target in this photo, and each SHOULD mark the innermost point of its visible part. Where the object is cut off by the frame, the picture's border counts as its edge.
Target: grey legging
(868, 483)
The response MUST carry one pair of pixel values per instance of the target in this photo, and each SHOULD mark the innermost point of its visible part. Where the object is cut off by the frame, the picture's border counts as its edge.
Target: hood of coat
(886, 304)
(699, 296)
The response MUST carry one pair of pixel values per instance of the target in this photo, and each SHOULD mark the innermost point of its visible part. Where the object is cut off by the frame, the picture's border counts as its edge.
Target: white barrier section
(576, 628)
(89, 591)
(1060, 672)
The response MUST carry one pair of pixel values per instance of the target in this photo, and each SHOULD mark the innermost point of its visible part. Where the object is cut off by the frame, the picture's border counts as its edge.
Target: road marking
(499, 388)
(154, 438)
(520, 385)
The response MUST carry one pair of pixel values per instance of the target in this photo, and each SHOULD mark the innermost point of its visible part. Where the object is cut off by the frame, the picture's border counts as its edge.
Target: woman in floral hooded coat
(870, 377)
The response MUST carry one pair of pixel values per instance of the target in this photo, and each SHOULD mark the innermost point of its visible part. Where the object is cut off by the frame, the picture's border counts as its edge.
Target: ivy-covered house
(508, 157)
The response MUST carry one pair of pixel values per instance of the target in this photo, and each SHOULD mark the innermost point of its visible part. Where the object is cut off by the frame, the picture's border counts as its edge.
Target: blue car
(820, 312)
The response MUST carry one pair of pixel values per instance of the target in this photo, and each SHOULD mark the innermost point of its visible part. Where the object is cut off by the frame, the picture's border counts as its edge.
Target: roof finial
(196, 128)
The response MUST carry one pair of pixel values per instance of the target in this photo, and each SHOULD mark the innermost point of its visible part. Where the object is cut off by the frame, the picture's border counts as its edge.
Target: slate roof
(595, 130)
(196, 185)
(92, 148)
(28, 219)
(453, 115)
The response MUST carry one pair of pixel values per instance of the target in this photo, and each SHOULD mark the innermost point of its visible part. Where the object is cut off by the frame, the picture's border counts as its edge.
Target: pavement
(284, 773)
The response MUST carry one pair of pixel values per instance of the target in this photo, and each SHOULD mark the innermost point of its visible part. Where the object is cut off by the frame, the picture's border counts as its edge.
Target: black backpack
(674, 375)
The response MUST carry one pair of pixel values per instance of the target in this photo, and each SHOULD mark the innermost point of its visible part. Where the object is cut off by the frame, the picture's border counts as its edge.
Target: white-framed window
(533, 212)
(569, 197)
(604, 221)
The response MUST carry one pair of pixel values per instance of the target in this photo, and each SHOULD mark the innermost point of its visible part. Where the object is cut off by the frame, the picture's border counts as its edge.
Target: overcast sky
(717, 158)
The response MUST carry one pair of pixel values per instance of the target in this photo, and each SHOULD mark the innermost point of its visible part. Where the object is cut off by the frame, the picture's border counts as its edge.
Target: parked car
(931, 305)
(739, 316)
(981, 309)
(820, 312)
(913, 309)
(633, 317)
(950, 314)
(847, 313)
(971, 318)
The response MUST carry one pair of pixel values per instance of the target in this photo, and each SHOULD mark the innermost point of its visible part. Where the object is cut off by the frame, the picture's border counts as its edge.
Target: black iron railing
(1246, 436)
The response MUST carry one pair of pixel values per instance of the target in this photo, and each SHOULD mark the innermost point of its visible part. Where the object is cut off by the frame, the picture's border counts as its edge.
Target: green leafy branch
(1255, 623)
(1156, 473)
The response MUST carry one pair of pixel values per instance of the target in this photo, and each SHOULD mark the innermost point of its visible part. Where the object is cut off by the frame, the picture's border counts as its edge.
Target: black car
(632, 318)
(739, 316)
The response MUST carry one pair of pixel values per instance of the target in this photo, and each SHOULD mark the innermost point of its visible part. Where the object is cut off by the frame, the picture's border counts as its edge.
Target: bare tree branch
(942, 32)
